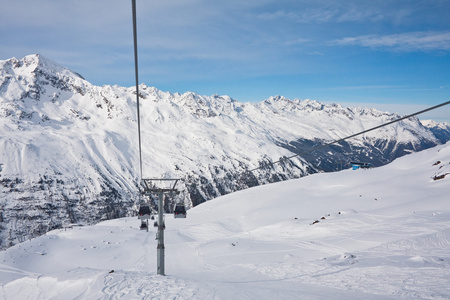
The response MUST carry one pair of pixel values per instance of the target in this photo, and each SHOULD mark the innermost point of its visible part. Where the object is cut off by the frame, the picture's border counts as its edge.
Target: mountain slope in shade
(382, 233)
(69, 154)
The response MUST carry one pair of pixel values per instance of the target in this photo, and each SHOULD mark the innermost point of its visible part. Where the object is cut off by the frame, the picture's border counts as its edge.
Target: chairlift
(144, 212)
(179, 211)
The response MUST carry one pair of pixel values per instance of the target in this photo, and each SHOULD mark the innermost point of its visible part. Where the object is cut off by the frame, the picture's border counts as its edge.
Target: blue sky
(391, 55)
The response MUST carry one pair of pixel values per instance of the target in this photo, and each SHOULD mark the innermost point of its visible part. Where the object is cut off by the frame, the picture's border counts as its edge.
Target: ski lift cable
(351, 136)
(133, 6)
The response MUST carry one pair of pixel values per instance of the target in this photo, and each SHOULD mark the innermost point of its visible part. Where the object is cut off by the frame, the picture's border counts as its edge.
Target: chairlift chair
(179, 211)
(144, 212)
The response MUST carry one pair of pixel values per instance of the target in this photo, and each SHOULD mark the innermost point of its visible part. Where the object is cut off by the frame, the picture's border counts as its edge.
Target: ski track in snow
(142, 285)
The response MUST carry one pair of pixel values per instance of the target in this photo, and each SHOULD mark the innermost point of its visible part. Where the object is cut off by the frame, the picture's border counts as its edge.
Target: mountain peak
(432, 123)
(35, 75)
(41, 61)
(36, 63)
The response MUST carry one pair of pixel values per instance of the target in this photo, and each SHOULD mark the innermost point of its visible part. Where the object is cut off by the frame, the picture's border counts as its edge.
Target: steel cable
(133, 5)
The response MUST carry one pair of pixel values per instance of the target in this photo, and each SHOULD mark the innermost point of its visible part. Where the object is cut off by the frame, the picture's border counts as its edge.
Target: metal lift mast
(151, 188)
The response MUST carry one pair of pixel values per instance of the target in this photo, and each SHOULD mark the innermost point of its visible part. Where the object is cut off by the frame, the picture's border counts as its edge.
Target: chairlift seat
(144, 212)
(179, 211)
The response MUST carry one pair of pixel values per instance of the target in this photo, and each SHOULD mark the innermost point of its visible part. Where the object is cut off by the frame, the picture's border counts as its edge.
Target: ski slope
(383, 233)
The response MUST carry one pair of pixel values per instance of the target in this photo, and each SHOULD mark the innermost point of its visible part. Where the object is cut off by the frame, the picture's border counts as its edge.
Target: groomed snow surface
(383, 233)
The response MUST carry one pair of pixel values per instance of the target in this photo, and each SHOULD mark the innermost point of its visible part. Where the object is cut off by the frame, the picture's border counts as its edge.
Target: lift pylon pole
(150, 187)
(160, 248)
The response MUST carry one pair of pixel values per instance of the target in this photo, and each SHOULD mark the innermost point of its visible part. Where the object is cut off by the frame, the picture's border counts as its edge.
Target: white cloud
(323, 12)
(368, 87)
(411, 41)
(314, 15)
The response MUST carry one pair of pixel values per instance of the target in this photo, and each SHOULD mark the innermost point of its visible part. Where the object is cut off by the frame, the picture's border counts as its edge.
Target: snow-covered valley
(382, 233)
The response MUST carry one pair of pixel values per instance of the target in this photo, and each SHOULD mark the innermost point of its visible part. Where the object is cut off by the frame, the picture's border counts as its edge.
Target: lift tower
(160, 186)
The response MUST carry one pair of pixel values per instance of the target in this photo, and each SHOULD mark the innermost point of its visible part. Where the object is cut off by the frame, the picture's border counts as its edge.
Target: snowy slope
(68, 149)
(383, 233)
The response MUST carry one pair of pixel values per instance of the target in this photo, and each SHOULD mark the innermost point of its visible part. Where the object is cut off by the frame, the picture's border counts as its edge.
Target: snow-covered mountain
(382, 233)
(69, 154)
